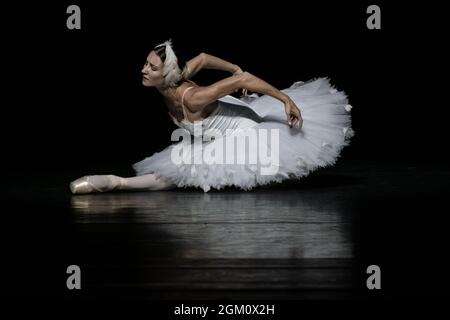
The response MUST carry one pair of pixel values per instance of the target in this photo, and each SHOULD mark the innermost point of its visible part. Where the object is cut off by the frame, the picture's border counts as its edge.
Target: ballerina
(300, 141)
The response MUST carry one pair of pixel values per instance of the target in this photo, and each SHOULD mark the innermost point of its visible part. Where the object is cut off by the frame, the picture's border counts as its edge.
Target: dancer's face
(152, 75)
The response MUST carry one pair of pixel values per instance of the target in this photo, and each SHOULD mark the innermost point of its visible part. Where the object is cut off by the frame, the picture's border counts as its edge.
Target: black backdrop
(73, 104)
(77, 99)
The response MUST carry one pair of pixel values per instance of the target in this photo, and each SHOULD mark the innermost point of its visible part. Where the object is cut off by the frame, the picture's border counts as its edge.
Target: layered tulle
(326, 130)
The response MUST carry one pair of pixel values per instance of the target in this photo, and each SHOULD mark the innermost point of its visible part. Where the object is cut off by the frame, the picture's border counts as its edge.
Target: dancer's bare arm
(199, 97)
(207, 61)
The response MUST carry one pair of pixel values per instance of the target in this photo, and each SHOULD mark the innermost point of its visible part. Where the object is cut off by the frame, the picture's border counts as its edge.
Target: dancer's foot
(97, 183)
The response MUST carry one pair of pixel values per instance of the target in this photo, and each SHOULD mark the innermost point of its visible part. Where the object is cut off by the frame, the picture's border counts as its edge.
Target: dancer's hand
(239, 71)
(293, 114)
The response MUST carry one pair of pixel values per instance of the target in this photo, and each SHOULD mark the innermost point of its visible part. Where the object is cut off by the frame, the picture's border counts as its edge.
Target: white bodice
(230, 113)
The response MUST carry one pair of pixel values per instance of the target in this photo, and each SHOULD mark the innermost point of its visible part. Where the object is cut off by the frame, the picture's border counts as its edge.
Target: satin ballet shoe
(97, 183)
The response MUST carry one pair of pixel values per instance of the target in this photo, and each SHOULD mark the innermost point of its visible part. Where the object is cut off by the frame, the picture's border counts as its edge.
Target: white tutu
(326, 130)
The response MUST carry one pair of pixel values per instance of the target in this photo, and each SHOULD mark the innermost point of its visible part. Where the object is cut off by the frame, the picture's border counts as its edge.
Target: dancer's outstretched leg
(147, 182)
(104, 183)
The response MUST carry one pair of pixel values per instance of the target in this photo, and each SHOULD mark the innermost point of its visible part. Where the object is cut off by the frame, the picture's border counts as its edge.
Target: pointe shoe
(97, 183)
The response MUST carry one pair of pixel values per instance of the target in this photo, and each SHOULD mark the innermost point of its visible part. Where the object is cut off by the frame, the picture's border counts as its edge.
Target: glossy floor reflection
(275, 225)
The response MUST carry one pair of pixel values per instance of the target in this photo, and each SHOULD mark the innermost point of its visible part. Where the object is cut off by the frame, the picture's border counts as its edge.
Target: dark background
(73, 104)
(77, 99)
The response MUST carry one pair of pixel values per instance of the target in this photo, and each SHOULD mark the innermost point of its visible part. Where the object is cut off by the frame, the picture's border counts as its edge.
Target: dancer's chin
(145, 83)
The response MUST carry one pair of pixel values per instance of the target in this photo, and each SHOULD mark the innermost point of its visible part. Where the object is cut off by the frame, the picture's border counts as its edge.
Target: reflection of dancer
(311, 139)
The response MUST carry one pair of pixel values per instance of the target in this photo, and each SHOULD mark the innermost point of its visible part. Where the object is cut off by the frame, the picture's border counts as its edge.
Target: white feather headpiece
(171, 70)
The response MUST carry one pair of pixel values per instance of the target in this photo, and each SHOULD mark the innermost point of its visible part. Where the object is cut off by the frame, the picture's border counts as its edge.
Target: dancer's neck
(167, 92)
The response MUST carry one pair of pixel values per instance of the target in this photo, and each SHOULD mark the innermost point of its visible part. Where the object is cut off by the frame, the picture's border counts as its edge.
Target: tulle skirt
(246, 142)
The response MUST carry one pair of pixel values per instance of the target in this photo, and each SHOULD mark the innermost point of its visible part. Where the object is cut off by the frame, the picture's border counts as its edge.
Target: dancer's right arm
(199, 97)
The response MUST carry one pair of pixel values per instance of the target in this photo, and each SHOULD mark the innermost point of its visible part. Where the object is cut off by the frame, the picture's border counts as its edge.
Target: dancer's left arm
(207, 61)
